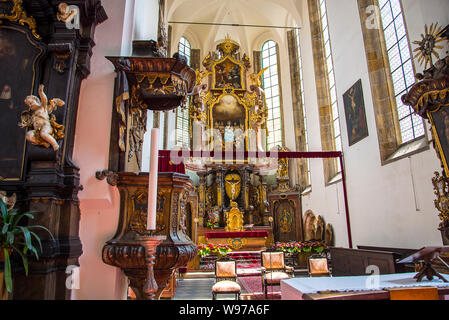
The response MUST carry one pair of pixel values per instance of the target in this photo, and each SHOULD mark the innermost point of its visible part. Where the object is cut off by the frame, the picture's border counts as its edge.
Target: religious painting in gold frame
(228, 73)
(439, 119)
(229, 108)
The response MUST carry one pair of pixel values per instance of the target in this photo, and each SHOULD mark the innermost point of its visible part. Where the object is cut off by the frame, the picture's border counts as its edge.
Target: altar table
(355, 288)
(244, 240)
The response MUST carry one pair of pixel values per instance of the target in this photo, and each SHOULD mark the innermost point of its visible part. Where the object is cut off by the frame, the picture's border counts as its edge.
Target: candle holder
(150, 243)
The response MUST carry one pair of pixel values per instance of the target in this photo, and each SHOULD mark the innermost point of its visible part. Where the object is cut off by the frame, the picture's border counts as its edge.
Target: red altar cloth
(242, 234)
(165, 165)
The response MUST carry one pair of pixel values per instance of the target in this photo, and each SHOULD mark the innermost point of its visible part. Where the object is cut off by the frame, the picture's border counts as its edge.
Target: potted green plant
(16, 239)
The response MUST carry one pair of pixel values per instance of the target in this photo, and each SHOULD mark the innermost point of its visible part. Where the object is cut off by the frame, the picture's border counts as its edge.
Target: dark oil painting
(355, 113)
(18, 56)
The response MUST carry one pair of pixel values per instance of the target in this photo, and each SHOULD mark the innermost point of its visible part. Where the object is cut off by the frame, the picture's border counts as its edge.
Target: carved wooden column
(202, 198)
(221, 193)
(46, 52)
(264, 200)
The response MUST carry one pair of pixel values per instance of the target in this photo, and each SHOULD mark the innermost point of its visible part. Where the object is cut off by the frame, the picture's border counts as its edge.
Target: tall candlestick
(152, 183)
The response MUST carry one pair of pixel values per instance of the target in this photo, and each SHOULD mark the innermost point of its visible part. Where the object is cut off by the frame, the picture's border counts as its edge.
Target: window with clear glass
(272, 94)
(331, 78)
(182, 115)
(401, 66)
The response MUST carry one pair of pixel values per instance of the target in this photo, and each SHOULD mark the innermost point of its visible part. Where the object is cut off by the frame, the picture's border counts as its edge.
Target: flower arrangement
(220, 250)
(212, 222)
(297, 247)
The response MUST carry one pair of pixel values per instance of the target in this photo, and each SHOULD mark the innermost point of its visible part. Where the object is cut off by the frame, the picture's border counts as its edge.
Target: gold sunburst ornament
(428, 45)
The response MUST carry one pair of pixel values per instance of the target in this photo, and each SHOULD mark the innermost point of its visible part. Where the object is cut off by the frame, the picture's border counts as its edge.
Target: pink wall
(99, 202)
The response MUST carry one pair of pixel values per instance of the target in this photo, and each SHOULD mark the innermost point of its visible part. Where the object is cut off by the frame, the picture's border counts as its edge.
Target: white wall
(384, 208)
(99, 202)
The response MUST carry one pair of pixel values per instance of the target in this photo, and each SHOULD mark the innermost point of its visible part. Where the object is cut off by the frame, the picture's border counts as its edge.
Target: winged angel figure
(45, 131)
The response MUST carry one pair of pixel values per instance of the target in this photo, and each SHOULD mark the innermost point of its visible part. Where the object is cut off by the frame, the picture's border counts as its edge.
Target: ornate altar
(229, 111)
(228, 114)
(429, 97)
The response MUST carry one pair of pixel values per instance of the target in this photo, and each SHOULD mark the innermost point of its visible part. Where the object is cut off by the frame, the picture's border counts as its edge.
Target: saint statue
(229, 135)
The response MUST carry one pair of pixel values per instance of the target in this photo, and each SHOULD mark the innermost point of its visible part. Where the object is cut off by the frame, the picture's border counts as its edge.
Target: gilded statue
(197, 110)
(45, 131)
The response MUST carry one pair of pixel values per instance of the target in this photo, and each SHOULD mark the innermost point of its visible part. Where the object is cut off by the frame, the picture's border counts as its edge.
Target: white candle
(152, 183)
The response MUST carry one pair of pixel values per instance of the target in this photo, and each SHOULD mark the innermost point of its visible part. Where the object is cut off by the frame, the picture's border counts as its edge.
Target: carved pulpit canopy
(156, 83)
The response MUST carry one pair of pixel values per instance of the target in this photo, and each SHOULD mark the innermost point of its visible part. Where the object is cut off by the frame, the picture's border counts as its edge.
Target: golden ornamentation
(237, 243)
(138, 214)
(256, 78)
(228, 98)
(234, 219)
(228, 47)
(200, 76)
(19, 15)
(441, 187)
(39, 117)
(426, 47)
(233, 185)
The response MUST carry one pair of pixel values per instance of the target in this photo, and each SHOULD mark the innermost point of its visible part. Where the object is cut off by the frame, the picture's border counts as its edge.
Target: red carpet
(253, 286)
(248, 263)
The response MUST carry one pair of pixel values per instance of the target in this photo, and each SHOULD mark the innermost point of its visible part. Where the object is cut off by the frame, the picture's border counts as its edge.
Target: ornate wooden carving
(429, 97)
(49, 182)
(146, 81)
(125, 250)
(286, 211)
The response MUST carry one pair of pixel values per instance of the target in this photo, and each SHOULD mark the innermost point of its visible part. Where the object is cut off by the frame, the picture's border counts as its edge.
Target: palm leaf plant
(17, 238)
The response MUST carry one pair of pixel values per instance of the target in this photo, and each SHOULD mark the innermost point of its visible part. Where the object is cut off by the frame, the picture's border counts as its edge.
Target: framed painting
(355, 113)
(20, 54)
(227, 73)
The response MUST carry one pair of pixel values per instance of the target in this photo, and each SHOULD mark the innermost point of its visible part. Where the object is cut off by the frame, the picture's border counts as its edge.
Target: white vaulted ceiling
(285, 13)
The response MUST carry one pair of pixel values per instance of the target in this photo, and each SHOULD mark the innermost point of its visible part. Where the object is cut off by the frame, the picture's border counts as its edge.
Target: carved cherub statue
(64, 14)
(38, 116)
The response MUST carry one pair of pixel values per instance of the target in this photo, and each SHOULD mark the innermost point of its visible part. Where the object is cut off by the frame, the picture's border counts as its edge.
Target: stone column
(381, 82)
(322, 86)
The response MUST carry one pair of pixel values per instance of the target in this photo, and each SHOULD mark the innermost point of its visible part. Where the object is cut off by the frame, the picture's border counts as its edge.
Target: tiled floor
(197, 289)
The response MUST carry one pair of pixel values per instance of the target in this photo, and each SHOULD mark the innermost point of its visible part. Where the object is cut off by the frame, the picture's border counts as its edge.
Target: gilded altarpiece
(228, 113)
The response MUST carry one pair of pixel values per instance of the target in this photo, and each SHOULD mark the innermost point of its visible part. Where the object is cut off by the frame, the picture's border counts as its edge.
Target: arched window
(301, 88)
(401, 66)
(272, 94)
(331, 76)
(182, 116)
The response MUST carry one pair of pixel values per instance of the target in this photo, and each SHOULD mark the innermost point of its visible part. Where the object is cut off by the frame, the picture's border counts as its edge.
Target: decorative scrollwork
(441, 187)
(19, 15)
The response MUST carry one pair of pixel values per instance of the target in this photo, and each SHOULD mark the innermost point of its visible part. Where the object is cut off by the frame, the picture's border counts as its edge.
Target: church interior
(224, 149)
